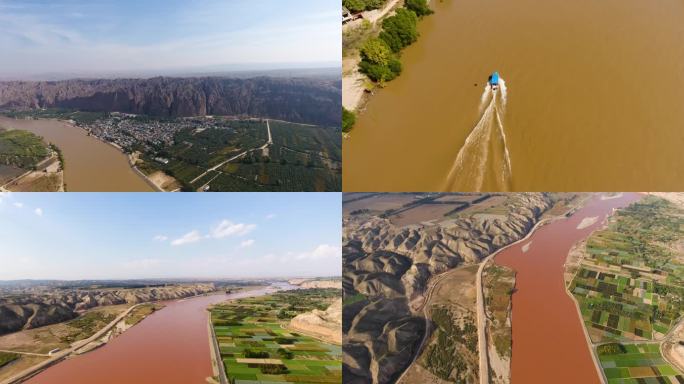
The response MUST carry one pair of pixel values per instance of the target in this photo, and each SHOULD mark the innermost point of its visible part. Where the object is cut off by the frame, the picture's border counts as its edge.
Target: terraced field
(637, 364)
(255, 348)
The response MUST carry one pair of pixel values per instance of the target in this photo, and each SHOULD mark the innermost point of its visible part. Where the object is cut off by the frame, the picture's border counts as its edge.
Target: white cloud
(19, 205)
(38, 211)
(270, 216)
(228, 228)
(247, 243)
(190, 237)
(160, 238)
(323, 251)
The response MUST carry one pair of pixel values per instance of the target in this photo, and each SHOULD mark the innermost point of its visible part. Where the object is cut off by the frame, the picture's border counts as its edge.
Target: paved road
(482, 325)
(268, 142)
(26, 353)
(428, 322)
(58, 356)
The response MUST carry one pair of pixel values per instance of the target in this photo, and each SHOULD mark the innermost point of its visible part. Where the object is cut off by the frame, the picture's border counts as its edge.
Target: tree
(354, 5)
(420, 7)
(348, 120)
(400, 31)
(376, 51)
(381, 73)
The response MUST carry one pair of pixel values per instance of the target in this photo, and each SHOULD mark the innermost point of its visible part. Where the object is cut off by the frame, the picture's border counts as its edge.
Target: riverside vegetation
(181, 151)
(22, 152)
(381, 50)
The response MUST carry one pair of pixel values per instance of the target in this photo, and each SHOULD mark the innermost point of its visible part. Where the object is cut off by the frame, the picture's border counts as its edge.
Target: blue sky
(145, 235)
(53, 36)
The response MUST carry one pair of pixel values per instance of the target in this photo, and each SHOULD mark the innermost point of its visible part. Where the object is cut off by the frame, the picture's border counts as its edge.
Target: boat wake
(484, 157)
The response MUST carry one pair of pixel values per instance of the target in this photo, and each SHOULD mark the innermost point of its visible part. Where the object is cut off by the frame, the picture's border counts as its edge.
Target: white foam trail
(476, 147)
(484, 97)
(508, 171)
(504, 92)
(479, 135)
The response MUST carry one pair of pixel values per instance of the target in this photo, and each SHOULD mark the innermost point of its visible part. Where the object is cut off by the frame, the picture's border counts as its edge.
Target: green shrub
(273, 369)
(362, 5)
(255, 354)
(348, 120)
(376, 51)
(377, 72)
(400, 31)
(420, 7)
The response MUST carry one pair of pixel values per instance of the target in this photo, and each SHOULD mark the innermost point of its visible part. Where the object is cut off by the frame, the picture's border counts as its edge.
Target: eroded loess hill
(324, 324)
(387, 267)
(25, 311)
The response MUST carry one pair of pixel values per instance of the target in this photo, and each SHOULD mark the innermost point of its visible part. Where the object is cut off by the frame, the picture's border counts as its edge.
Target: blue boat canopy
(494, 79)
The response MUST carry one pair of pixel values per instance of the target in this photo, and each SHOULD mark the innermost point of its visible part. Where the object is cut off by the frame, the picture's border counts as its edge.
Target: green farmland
(301, 158)
(630, 283)
(21, 149)
(256, 348)
(637, 364)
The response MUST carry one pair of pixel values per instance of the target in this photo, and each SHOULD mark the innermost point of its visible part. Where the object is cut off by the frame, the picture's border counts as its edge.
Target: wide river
(170, 346)
(549, 344)
(90, 164)
(594, 96)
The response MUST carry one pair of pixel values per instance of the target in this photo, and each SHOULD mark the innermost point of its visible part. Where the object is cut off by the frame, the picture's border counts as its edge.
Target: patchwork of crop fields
(255, 348)
(637, 364)
(630, 284)
(630, 287)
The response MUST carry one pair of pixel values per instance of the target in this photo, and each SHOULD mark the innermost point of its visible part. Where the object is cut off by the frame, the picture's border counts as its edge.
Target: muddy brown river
(549, 344)
(170, 346)
(90, 164)
(594, 88)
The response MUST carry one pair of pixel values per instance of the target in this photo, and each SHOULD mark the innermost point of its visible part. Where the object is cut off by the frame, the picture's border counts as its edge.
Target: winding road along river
(91, 165)
(170, 346)
(549, 344)
(594, 88)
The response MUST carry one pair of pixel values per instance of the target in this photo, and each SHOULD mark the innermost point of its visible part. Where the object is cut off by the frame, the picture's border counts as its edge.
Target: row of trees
(380, 55)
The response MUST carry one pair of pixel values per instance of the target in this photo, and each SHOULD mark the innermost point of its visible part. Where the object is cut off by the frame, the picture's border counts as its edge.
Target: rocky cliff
(390, 267)
(303, 100)
(19, 312)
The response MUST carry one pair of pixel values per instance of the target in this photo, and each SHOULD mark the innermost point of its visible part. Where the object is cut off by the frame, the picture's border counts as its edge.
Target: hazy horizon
(40, 38)
(134, 236)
